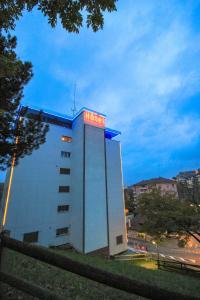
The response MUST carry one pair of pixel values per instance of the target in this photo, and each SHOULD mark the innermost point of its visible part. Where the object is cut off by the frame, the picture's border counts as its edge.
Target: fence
(179, 266)
(87, 271)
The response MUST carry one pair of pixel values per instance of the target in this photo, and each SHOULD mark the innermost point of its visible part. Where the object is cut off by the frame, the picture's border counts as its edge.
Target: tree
(129, 199)
(164, 213)
(189, 191)
(19, 135)
(70, 12)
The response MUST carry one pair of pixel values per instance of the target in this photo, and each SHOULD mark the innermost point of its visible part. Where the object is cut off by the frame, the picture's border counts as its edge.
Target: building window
(64, 189)
(64, 171)
(65, 154)
(62, 208)
(65, 138)
(31, 237)
(62, 231)
(119, 239)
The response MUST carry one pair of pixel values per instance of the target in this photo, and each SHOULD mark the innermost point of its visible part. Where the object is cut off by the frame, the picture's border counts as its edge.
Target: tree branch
(193, 235)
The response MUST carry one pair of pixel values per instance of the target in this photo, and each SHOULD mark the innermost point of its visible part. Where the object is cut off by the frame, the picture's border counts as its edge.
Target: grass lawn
(144, 271)
(76, 287)
(146, 263)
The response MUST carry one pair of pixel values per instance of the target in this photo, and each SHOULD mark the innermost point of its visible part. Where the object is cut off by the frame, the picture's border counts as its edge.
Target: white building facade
(70, 189)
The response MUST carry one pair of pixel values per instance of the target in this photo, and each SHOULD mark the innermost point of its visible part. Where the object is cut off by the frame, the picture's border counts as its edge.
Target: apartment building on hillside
(164, 184)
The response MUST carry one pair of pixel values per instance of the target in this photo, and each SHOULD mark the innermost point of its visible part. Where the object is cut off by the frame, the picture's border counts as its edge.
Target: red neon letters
(94, 119)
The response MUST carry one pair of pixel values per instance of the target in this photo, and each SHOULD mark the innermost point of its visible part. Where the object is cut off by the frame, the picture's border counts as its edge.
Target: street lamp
(158, 259)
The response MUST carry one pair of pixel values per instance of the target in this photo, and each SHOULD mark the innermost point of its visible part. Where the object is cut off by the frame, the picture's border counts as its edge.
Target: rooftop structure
(154, 181)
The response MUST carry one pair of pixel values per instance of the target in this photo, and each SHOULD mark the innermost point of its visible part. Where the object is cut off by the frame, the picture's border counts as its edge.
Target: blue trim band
(109, 133)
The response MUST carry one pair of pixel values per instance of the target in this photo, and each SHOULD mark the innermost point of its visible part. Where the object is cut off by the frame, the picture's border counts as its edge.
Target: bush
(182, 243)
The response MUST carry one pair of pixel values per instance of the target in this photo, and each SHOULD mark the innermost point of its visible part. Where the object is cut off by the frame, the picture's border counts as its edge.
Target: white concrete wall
(76, 237)
(116, 208)
(34, 193)
(95, 190)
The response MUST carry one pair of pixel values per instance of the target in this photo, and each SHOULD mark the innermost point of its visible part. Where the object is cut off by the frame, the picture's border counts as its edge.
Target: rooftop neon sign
(94, 119)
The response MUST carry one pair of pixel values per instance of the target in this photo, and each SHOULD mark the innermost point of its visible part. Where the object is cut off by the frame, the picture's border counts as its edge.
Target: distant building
(164, 184)
(69, 191)
(188, 185)
(188, 176)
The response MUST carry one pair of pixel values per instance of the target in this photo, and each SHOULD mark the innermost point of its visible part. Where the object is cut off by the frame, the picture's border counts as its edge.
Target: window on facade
(62, 208)
(64, 189)
(64, 171)
(119, 239)
(65, 154)
(65, 138)
(31, 237)
(62, 231)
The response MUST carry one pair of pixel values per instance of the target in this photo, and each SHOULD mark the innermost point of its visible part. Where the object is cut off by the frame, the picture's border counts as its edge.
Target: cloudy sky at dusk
(142, 71)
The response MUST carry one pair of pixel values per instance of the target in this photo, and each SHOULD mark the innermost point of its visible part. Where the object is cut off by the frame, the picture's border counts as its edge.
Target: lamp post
(16, 125)
(158, 258)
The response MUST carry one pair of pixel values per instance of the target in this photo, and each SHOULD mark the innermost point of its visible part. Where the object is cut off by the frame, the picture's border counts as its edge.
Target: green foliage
(30, 133)
(182, 243)
(129, 200)
(71, 13)
(189, 192)
(164, 213)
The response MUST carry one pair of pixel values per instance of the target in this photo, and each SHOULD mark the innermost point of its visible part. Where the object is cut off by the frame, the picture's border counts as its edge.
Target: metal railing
(179, 266)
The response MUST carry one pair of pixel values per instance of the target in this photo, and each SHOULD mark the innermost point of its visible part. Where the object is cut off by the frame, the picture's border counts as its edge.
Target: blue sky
(142, 70)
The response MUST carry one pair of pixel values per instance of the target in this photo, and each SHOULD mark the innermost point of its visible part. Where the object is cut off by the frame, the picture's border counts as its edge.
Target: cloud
(139, 70)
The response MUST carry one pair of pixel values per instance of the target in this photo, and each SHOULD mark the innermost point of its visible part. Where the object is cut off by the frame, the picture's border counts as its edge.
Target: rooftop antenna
(74, 110)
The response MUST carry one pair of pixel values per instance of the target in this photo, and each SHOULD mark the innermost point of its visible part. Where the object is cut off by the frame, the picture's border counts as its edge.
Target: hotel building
(69, 191)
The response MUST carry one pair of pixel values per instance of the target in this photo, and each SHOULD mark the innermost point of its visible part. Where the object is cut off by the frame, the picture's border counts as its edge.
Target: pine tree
(19, 135)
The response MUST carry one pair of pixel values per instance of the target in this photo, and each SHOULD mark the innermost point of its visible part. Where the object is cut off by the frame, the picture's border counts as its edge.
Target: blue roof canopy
(67, 121)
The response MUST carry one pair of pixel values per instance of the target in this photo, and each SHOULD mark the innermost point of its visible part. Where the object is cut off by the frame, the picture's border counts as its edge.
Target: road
(190, 256)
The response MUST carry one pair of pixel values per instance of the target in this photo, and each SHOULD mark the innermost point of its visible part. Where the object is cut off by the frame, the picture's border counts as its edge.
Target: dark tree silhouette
(69, 12)
(164, 213)
(19, 135)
